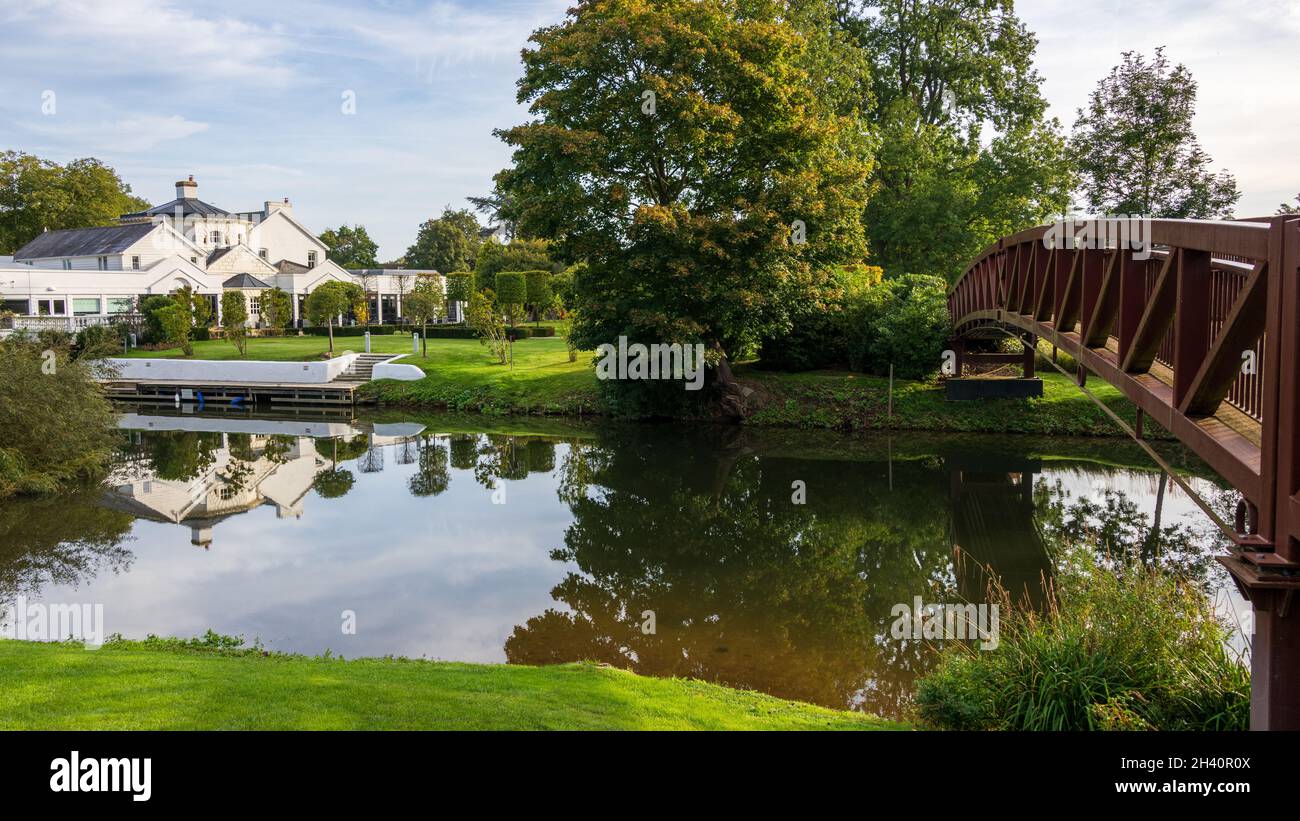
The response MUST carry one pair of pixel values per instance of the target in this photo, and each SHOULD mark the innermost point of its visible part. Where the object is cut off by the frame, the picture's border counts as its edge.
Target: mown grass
(168, 684)
(461, 375)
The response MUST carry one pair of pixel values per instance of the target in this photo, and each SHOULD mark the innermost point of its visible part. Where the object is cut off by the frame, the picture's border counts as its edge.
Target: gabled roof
(244, 281)
(189, 206)
(288, 266)
(83, 242)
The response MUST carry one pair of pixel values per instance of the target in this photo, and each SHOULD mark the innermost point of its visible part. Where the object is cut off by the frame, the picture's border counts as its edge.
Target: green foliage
(817, 334)
(98, 342)
(901, 322)
(425, 303)
(685, 216)
(518, 255)
(482, 315)
(38, 194)
(1127, 648)
(1287, 208)
(277, 309)
(943, 69)
(511, 293)
(149, 308)
(448, 243)
(333, 483)
(57, 429)
(459, 286)
(176, 323)
(351, 247)
(331, 299)
(540, 294)
(1136, 148)
(234, 320)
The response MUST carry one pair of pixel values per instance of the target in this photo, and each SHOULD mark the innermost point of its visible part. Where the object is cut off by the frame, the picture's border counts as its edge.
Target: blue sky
(248, 96)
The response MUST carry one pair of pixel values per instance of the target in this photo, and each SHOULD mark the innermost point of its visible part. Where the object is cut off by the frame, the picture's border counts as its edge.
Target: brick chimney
(187, 189)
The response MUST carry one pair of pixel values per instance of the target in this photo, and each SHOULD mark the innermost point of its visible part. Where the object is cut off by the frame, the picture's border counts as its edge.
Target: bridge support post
(1031, 349)
(1275, 662)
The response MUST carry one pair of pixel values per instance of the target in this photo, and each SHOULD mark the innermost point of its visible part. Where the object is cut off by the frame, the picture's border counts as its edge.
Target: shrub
(484, 318)
(234, 319)
(901, 322)
(97, 342)
(817, 336)
(511, 293)
(176, 325)
(149, 308)
(540, 295)
(1129, 647)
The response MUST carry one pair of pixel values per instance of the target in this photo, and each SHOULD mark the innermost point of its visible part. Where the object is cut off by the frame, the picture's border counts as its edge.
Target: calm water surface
(770, 560)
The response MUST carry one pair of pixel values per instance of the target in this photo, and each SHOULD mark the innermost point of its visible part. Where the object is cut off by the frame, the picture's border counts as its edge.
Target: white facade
(70, 279)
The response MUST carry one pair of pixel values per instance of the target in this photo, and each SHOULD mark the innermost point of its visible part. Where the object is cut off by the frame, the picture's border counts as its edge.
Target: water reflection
(768, 561)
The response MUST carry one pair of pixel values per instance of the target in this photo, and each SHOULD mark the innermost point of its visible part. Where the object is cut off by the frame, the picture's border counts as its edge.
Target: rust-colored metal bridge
(1200, 328)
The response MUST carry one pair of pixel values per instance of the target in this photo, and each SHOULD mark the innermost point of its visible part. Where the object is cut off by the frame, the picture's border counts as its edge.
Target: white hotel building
(85, 276)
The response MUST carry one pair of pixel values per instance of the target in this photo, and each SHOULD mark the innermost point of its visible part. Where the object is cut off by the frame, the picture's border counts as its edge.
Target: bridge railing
(1100, 288)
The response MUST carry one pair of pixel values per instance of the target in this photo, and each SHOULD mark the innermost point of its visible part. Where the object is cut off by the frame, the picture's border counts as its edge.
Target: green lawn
(163, 685)
(462, 376)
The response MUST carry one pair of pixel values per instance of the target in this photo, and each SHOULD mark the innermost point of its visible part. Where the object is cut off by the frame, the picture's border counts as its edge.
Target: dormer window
(261, 252)
(215, 238)
(67, 265)
(311, 259)
(135, 263)
(103, 263)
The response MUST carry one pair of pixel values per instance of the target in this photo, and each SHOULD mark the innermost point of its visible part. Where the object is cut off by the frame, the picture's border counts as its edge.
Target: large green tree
(448, 243)
(517, 255)
(351, 246)
(684, 151)
(944, 74)
(1137, 151)
(38, 194)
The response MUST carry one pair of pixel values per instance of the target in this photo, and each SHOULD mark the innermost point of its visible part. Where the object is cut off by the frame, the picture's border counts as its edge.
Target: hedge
(434, 331)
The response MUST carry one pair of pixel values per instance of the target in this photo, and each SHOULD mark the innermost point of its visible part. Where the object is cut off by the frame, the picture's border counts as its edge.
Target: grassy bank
(461, 376)
(167, 684)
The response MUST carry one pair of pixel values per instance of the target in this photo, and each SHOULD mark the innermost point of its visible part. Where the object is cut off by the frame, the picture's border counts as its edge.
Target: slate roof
(82, 242)
(288, 266)
(244, 281)
(188, 205)
(219, 253)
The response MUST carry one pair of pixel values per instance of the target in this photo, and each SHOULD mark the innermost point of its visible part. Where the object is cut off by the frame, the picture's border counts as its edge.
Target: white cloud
(137, 37)
(140, 132)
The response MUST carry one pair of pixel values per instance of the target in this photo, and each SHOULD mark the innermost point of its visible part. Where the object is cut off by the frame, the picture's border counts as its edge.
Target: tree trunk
(330, 325)
(424, 338)
(731, 394)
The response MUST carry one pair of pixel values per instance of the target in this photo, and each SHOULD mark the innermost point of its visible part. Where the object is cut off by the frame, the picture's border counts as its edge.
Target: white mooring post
(367, 341)
(415, 342)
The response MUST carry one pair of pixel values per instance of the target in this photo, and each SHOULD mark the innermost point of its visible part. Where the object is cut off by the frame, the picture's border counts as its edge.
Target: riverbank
(461, 377)
(174, 685)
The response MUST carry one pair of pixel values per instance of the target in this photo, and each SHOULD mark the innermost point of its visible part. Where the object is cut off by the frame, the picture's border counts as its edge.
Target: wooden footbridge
(1199, 326)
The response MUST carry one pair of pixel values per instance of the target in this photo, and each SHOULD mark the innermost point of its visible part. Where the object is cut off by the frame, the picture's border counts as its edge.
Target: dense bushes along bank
(1129, 647)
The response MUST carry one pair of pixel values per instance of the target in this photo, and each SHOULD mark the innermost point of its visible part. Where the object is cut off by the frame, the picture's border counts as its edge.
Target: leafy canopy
(351, 246)
(674, 145)
(1137, 151)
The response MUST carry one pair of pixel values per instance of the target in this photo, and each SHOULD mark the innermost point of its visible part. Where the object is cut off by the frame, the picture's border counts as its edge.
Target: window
(311, 259)
(121, 304)
(261, 252)
(135, 263)
(215, 237)
(51, 307)
(67, 265)
(15, 306)
(102, 263)
(85, 306)
(254, 307)
(194, 260)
